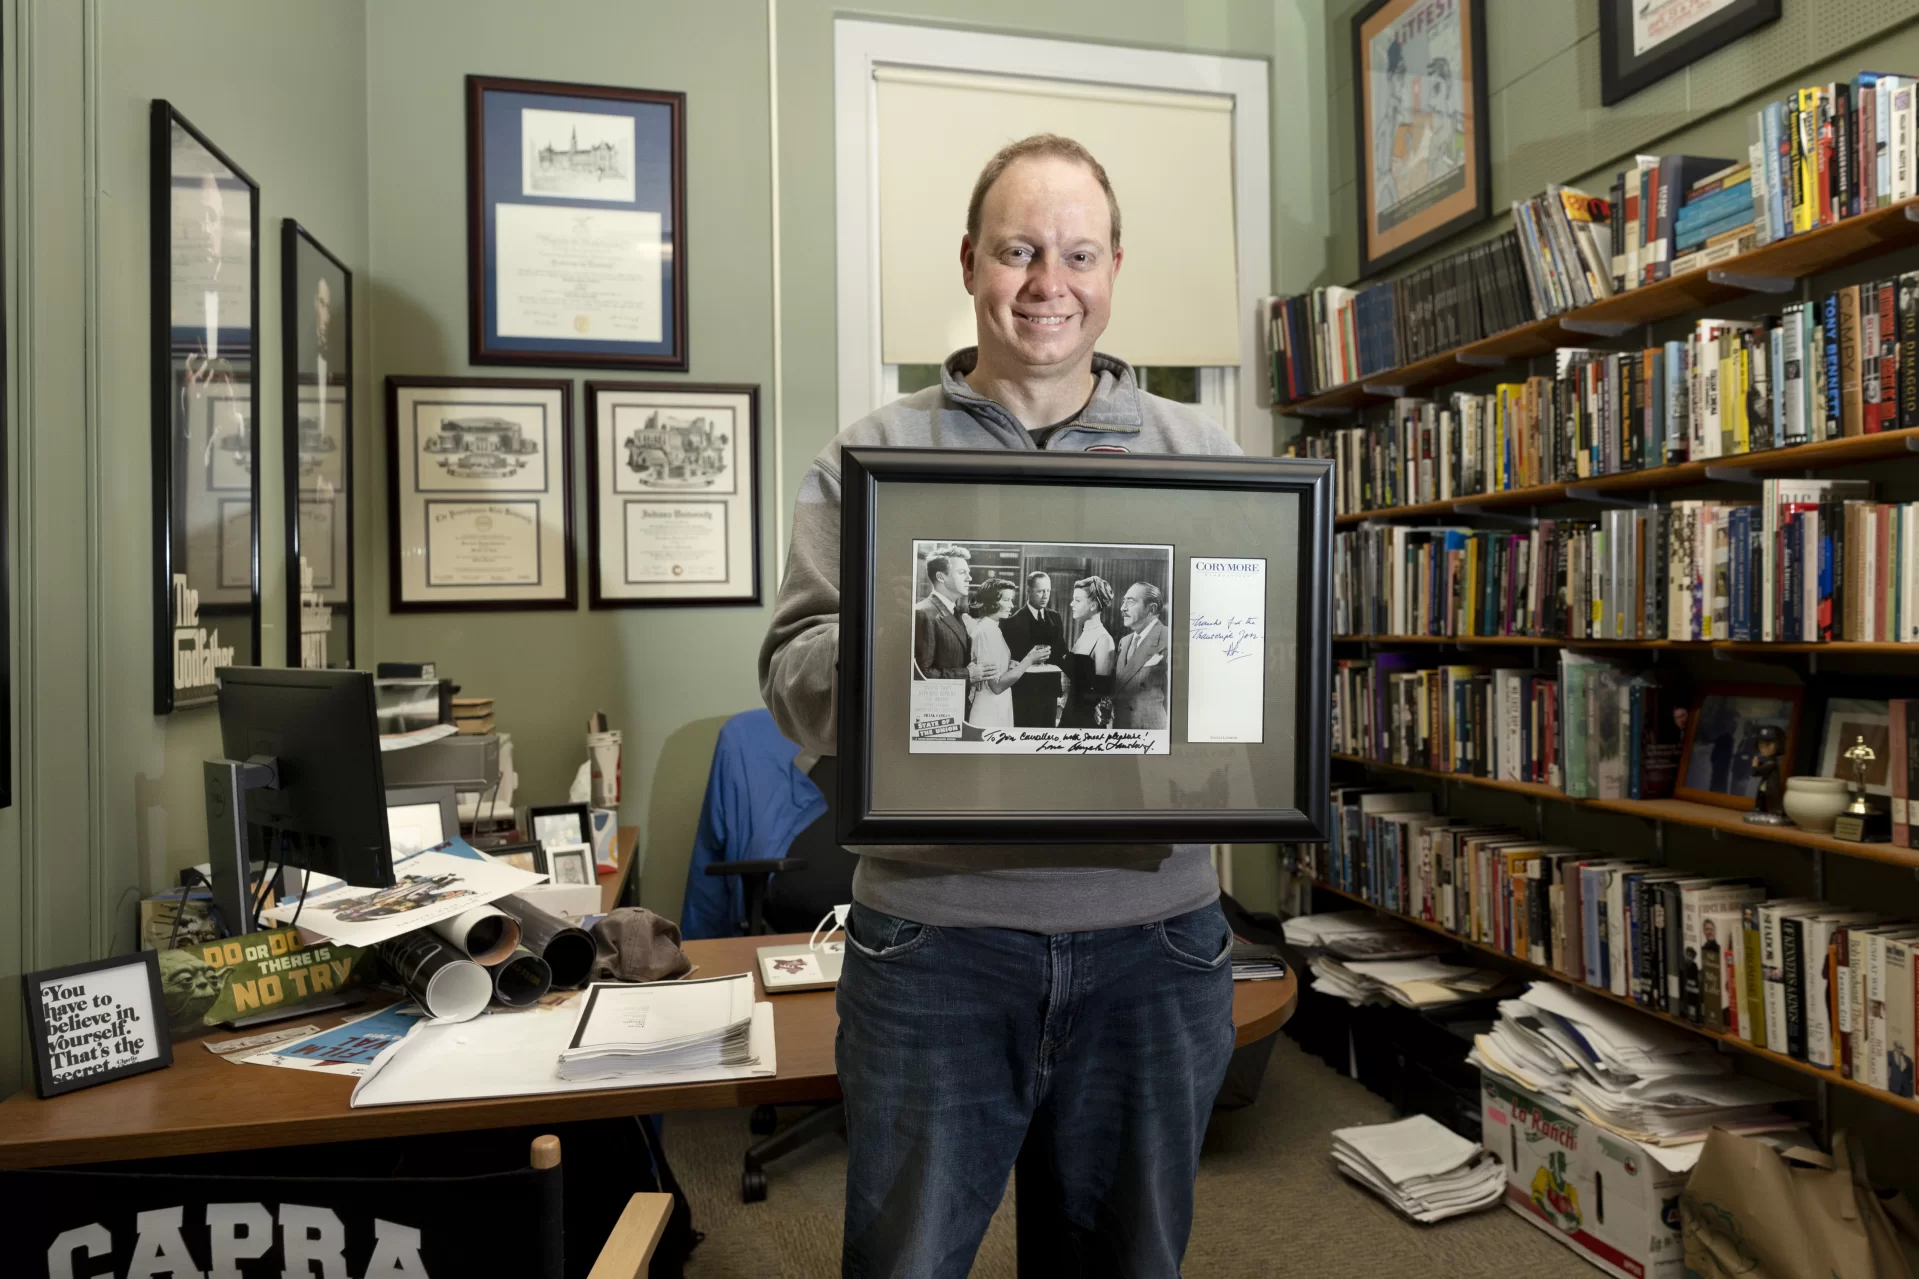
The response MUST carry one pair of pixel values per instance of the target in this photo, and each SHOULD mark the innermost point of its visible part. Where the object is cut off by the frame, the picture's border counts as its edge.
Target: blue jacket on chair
(757, 800)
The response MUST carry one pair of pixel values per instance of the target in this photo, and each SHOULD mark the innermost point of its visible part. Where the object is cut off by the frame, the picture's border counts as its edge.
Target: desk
(203, 1103)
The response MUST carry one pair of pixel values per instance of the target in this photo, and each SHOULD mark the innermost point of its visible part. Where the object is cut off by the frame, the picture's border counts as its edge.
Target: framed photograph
(527, 856)
(1643, 41)
(480, 494)
(570, 864)
(1082, 648)
(420, 817)
(97, 1022)
(1722, 733)
(205, 232)
(554, 825)
(672, 494)
(316, 449)
(1424, 158)
(1847, 720)
(576, 224)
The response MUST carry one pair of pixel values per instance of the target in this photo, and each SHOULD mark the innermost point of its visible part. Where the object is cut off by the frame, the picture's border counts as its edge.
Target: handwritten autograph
(1233, 633)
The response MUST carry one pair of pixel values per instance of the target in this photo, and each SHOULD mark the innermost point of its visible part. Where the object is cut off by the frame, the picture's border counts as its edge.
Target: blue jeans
(1098, 1052)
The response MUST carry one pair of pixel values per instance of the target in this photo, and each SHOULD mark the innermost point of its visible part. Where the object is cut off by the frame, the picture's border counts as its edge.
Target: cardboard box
(1598, 1193)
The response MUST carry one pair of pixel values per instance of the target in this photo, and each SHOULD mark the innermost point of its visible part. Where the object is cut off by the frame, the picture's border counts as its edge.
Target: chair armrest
(629, 1249)
(758, 866)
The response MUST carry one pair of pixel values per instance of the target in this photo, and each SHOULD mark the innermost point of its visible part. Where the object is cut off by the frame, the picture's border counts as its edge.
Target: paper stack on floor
(1361, 934)
(1426, 1171)
(1656, 1084)
(660, 1026)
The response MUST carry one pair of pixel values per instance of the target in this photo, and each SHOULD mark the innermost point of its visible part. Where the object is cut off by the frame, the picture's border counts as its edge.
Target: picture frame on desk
(316, 423)
(571, 864)
(1722, 735)
(557, 825)
(480, 494)
(529, 855)
(1186, 699)
(1423, 135)
(96, 1022)
(1641, 42)
(569, 183)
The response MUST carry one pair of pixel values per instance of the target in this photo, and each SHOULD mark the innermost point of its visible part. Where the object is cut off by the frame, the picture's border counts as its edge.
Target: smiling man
(1073, 1001)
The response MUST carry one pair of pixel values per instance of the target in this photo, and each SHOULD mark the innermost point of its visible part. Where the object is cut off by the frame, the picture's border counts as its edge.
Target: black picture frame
(300, 279)
(598, 447)
(505, 853)
(866, 471)
(1439, 218)
(6, 524)
(1622, 73)
(397, 550)
(203, 364)
(44, 1083)
(659, 116)
(581, 812)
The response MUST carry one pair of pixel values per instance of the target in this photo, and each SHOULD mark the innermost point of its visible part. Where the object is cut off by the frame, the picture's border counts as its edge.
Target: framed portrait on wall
(480, 494)
(1643, 41)
(673, 494)
(316, 423)
(205, 231)
(1083, 648)
(1424, 152)
(576, 224)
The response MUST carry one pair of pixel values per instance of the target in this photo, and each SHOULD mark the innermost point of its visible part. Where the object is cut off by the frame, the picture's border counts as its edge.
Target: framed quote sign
(94, 1023)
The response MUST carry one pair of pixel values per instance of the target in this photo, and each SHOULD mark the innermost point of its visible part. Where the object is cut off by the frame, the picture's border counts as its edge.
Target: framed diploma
(205, 228)
(480, 494)
(1083, 648)
(316, 449)
(576, 224)
(673, 494)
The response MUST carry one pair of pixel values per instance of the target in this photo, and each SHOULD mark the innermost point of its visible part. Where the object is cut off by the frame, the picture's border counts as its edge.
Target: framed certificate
(576, 224)
(205, 225)
(1083, 648)
(673, 494)
(480, 494)
(316, 449)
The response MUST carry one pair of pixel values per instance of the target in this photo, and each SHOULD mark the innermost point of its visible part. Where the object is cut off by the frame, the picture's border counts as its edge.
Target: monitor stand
(229, 840)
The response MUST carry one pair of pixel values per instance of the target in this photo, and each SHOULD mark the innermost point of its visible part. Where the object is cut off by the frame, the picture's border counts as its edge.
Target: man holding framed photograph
(1069, 1007)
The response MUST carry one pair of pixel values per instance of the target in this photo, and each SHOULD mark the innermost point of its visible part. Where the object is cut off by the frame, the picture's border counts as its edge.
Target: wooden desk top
(204, 1103)
(614, 885)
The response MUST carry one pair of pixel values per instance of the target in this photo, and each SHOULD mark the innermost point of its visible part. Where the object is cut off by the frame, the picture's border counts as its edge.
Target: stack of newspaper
(660, 1027)
(1411, 983)
(1424, 1170)
(1361, 934)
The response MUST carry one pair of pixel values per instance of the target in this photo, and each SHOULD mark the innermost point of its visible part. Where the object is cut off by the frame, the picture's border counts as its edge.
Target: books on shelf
(1830, 152)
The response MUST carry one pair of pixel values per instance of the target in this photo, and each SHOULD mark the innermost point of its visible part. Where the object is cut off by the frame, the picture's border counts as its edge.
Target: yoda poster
(211, 982)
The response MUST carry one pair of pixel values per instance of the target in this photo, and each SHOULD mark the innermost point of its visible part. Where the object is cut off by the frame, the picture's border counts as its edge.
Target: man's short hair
(1039, 146)
(937, 564)
(1149, 596)
(1038, 575)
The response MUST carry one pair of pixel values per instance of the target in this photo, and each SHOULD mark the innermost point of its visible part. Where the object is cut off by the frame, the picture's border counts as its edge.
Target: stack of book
(473, 715)
(1830, 152)
(1424, 1171)
(1565, 238)
(663, 1027)
(1475, 720)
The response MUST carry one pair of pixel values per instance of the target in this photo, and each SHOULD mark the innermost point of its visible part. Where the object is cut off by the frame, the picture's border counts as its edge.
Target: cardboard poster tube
(521, 980)
(487, 936)
(567, 950)
(440, 979)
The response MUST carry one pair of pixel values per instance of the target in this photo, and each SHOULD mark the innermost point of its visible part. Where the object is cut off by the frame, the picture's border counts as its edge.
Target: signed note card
(1226, 646)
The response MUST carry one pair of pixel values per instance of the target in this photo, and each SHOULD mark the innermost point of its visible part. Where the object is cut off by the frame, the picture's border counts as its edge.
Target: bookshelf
(1764, 269)
(1732, 1041)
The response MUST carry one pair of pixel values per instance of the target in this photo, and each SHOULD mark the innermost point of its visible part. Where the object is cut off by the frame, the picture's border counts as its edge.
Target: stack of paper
(1412, 983)
(1361, 934)
(661, 1026)
(1653, 1083)
(1421, 1168)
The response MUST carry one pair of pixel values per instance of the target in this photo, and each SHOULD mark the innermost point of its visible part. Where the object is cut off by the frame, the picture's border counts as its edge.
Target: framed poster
(205, 229)
(316, 423)
(480, 494)
(1643, 41)
(672, 484)
(97, 1022)
(1424, 159)
(1083, 648)
(576, 224)
(1722, 736)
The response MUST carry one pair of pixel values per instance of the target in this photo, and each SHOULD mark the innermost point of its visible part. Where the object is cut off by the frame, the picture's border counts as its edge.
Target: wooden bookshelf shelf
(1732, 1041)
(1731, 647)
(1680, 812)
(1826, 249)
(1822, 454)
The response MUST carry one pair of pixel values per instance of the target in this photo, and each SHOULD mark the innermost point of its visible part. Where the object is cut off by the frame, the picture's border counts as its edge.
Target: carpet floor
(1270, 1204)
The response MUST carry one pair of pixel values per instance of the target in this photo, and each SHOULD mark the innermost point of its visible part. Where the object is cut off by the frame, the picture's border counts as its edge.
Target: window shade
(1168, 155)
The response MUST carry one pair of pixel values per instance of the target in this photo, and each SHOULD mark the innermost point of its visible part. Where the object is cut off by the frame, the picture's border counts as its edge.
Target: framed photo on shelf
(1847, 720)
(480, 494)
(1722, 734)
(316, 423)
(1083, 648)
(205, 231)
(576, 224)
(96, 1022)
(1423, 136)
(1643, 41)
(672, 480)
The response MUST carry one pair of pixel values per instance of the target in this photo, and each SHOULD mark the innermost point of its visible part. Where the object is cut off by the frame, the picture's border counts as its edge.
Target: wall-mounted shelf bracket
(1598, 328)
(1732, 475)
(1577, 493)
(1473, 361)
(1391, 390)
(1318, 410)
(1753, 283)
(1473, 508)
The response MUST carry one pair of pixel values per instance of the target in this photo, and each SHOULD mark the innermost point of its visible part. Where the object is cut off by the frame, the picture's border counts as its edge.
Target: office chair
(791, 894)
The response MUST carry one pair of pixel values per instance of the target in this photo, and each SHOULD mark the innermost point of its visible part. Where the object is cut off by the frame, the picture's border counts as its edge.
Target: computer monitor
(301, 782)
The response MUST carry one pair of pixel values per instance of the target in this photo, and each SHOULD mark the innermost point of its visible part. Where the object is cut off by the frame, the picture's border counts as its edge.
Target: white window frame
(865, 381)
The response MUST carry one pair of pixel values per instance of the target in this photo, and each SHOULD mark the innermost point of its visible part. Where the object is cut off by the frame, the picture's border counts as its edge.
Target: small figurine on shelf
(1766, 764)
(1864, 820)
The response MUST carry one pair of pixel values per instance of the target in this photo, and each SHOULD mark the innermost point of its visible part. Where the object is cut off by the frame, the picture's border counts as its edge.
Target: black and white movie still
(1038, 648)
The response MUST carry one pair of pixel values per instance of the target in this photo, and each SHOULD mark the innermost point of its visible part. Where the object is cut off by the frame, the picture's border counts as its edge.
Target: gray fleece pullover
(1035, 887)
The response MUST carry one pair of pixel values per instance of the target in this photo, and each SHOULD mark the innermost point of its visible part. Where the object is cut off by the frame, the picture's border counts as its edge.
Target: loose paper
(429, 886)
(1226, 651)
(347, 1049)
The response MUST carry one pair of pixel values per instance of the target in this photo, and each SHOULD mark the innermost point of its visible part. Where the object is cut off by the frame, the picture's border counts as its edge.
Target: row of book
(1830, 986)
(1832, 151)
(1813, 561)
